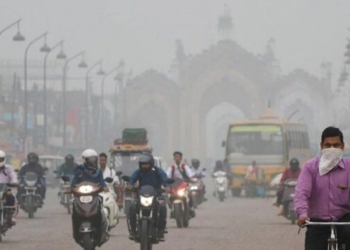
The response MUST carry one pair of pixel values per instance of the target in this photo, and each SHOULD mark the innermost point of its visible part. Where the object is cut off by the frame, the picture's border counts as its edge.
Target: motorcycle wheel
(145, 243)
(186, 218)
(127, 208)
(87, 243)
(69, 207)
(221, 196)
(195, 201)
(179, 215)
(30, 207)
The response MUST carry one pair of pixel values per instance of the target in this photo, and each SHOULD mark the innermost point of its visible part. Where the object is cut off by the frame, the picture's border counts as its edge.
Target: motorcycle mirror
(119, 173)
(109, 180)
(126, 178)
(204, 169)
(16, 170)
(170, 181)
(55, 171)
(223, 144)
(45, 168)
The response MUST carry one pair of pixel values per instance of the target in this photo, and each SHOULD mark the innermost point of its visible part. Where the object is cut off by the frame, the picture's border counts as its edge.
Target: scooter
(220, 181)
(288, 200)
(87, 213)
(65, 198)
(110, 207)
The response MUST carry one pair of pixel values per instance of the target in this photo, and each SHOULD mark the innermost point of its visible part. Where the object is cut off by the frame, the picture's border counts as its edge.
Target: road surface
(237, 223)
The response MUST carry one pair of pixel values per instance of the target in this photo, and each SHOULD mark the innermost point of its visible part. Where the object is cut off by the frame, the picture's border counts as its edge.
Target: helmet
(146, 159)
(2, 158)
(195, 163)
(32, 157)
(90, 159)
(294, 164)
(69, 158)
(150, 155)
(218, 163)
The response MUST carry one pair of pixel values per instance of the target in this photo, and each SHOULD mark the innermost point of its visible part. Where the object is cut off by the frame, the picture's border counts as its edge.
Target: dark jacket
(64, 169)
(155, 178)
(29, 167)
(81, 174)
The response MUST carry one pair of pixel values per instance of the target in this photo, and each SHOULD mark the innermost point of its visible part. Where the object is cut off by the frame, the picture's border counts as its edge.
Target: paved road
(235, 224)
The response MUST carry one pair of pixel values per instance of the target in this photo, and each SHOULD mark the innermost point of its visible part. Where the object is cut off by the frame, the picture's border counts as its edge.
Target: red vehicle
(179, 203)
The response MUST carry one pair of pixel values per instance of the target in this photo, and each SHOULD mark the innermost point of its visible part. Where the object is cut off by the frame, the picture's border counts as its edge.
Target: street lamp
(82, 64)
(61, 55)
(102, 100)
(25, 85)
(100, 72)
(18, 37)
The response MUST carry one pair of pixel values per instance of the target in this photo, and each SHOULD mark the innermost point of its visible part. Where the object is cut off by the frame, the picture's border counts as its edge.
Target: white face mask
(329, 159)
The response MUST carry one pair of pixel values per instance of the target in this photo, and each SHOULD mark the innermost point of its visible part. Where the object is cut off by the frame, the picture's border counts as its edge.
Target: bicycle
(332, 240)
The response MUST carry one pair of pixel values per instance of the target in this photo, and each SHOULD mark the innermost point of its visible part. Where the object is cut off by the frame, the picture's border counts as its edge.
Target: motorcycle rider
(8, 176)
(89, 171)
(292, 172)
(198, 173)
(148, 174)
(107, 172)
(33, 166)
(68, 167)
(182, 171)
(219, 166)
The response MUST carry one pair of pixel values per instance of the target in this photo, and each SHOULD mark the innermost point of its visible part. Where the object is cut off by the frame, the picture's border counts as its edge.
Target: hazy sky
(307, 32)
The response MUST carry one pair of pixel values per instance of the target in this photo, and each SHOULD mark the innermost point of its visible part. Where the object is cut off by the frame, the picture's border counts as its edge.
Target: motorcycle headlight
(85, 199)
(85, 189)
(181, 192)
(30, 183)
(146, 201)
(193, 187)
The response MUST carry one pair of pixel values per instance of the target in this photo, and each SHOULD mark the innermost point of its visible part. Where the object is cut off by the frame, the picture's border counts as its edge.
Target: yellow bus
(268, 140)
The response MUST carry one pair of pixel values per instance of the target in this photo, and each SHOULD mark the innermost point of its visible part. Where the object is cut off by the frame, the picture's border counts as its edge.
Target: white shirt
(177, 173)
(8, 175)
(108, 172)
(199, 172)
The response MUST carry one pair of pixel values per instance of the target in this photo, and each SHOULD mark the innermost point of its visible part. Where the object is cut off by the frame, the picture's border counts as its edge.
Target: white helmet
(89, 153)
(2, 158)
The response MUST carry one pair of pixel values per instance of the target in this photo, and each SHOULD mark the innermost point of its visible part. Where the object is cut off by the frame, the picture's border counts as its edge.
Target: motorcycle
(196, 187)
(109, 204)
(220, 185)
(87, 210)
(147, 218)
(288, 200)
(179, 203)
(66, 199)
(124, 197)
(30, 201)
(6, 212)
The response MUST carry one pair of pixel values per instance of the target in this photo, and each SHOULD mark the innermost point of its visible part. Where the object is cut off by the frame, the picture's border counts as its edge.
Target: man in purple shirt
(323, 192)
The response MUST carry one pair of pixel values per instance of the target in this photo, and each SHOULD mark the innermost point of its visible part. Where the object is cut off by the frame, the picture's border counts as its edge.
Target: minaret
(225, 25)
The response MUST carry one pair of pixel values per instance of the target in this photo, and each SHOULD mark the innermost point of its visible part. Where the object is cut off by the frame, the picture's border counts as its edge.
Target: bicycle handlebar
(331, 223)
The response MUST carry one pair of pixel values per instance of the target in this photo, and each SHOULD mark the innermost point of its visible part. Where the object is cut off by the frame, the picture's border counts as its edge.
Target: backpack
(182, 171)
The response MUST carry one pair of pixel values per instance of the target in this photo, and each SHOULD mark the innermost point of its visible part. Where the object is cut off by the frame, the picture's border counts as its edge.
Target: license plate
(85, 199)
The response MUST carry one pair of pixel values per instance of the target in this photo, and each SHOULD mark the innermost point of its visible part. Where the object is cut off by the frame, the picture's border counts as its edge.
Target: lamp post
(60, 55)
(102, 101)
(18, 37)
(25, 82)
(82, 64)
(100, 72)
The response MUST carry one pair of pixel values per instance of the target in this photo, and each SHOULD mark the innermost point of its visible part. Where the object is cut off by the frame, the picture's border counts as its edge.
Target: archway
(216, 124)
